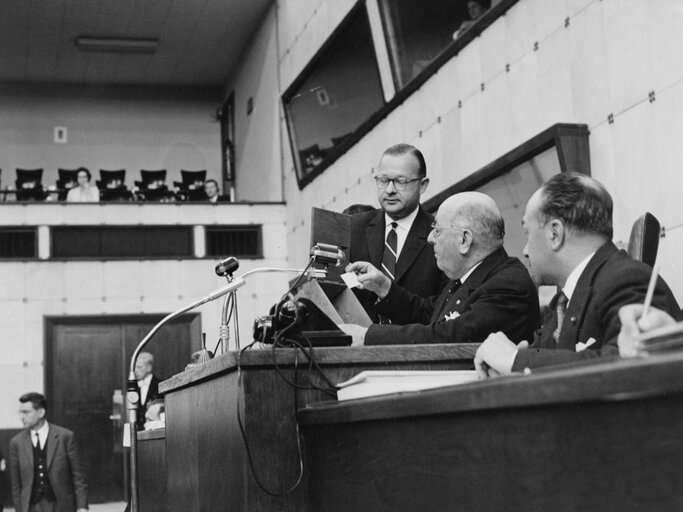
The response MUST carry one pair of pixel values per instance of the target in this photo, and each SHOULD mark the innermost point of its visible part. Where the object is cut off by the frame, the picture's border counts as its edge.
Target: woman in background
(85, 192)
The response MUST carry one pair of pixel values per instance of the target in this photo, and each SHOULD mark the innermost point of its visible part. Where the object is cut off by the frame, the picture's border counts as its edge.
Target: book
(376, 383)
(664, 339)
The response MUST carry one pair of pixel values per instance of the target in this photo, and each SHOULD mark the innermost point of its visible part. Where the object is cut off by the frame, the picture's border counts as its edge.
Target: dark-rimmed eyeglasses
(400, 183)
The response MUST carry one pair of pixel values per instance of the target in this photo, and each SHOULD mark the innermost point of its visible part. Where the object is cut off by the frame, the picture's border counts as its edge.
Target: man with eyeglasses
(487, 291)
(394, 237)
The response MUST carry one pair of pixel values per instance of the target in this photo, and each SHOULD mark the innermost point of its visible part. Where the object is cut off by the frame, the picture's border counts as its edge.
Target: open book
(374, 383)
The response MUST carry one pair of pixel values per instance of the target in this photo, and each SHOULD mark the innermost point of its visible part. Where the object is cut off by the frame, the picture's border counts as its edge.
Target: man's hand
(633, 324)
(370, 278)
(356, 332)
(496, 355)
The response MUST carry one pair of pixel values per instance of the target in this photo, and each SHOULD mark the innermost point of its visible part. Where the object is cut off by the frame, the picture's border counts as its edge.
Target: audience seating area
(151, 187)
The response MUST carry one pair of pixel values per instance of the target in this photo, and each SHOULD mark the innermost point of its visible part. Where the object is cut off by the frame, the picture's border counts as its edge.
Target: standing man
(488, 289)
(45, 468)
(394, 237)
(148, 384)
(568, 223)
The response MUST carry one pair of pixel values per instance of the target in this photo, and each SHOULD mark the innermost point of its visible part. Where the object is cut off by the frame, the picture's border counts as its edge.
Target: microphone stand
(132, 391)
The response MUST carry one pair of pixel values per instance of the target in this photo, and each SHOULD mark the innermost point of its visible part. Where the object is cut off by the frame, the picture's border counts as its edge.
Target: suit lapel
(27, 447)
(374, 234)
(53, 441)
(414, 244)
(576, 310)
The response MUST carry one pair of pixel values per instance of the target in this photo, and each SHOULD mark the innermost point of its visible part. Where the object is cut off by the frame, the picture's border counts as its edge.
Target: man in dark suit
(568, 222)
(45, 468)
(148, 384)
(408, 260)
(488, 289)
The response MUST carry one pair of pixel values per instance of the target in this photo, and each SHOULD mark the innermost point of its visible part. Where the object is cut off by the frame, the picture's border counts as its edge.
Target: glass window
(334, 96)
(416, 32)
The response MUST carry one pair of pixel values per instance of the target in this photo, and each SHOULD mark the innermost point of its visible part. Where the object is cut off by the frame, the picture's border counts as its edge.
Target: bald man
(488, 290)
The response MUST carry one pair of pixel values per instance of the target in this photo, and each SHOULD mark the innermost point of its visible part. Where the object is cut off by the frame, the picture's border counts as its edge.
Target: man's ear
(41, 412)
(423, 185)
(556, 234)
(465, 241)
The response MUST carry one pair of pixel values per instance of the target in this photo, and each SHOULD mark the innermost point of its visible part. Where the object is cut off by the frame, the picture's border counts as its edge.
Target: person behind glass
(148, 384)
(45, 467)
(475, 10)
(488, 289)
(212, 191)
(394, 237)
(568, 224)
(84, 192)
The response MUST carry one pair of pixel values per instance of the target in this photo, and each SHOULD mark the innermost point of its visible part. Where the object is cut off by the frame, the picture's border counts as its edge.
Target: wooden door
(87, 359)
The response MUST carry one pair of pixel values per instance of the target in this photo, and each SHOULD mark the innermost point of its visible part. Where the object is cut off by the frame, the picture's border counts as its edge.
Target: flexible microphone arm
(133, 394)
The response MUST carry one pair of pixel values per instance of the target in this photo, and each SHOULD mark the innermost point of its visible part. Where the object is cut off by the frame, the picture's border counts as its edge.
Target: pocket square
(583, 346)
(451, 316)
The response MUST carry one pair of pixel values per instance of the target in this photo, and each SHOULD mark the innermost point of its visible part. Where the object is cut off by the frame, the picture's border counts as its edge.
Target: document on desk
(375, 383)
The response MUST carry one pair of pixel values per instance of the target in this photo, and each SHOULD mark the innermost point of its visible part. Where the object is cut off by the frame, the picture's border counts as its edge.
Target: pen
(650, 291)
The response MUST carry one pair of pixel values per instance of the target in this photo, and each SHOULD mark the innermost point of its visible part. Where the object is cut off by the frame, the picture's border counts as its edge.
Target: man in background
(394, 237)
(148, 384)
(568, 222)
(45, 468)
(488, 289)
(212, 191)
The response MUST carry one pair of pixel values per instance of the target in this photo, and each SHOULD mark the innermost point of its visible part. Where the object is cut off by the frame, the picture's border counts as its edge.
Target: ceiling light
(116, 44)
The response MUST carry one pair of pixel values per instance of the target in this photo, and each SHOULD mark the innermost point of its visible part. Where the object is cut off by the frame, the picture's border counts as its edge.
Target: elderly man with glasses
(488, 290)
(393, 238)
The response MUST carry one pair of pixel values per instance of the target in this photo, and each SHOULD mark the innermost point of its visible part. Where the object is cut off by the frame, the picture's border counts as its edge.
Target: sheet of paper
(350, 279)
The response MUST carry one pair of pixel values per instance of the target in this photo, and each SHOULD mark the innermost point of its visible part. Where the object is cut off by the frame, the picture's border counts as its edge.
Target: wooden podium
(207, 463)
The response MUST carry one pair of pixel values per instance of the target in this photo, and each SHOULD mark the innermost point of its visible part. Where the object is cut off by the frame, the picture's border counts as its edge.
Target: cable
(244, 433)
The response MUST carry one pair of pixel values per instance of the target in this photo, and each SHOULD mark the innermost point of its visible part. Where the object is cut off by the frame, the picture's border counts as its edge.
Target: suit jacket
(152, 394)
(610, 280)
(499, 295)
(416, 269)
(65, 471)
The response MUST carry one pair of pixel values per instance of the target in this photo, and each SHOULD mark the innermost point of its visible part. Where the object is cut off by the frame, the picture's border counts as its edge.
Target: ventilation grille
(18, 243)
(238, 241)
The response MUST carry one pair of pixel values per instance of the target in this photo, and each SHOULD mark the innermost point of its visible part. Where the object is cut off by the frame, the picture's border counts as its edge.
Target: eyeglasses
(438, 229)
(400, 183)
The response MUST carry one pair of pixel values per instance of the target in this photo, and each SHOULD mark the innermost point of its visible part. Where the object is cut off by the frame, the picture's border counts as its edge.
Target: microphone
(327, 254)
(227, 266)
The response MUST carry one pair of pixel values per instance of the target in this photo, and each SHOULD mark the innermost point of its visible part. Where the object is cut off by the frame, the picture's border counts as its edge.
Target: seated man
(488, 289)
(568, 223)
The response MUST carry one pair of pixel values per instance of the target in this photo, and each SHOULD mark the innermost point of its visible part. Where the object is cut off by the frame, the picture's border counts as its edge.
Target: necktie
(389, 259)
(560, 309)
(37, 441)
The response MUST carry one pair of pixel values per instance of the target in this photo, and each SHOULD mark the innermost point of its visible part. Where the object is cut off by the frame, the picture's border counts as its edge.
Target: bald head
(478, 213)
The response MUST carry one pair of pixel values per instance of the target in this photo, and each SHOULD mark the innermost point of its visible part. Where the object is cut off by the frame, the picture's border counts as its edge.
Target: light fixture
(116, 44)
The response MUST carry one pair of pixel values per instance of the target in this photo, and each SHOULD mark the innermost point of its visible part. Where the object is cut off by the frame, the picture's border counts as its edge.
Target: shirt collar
(405, 223)
(42, 431)
(468, 273)
(573, 279)
(146, 380)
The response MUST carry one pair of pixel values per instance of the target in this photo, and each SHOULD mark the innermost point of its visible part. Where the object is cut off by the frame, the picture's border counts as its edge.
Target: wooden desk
(152, 470)
(602, 437)
(206, 459)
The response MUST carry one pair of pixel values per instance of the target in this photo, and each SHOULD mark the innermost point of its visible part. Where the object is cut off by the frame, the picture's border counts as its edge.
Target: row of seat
(112, 185)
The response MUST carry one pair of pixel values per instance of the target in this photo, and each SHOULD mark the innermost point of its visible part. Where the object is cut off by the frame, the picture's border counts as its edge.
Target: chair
(29, 185)
(68, 179)
(644, 240)
(112, 186)
(152, 187)
(191, 188)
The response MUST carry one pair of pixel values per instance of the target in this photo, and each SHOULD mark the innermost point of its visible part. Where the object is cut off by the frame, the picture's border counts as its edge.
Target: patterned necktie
(561, 309)
(389, 259)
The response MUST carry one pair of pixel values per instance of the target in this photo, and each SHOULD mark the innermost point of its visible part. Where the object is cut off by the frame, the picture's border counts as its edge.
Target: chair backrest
(29, 178)
(194, 178)
(644, 240)
(113, 179)
(158, 177)
(68, 178)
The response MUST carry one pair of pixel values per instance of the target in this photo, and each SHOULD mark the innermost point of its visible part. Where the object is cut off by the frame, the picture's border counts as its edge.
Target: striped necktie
(389, 259)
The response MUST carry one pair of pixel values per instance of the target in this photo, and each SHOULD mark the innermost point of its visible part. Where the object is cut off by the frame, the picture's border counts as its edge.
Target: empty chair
(153, 187)
(191, 188)
(112, 185)
(644, 240)
(68, 179)
(29, 185)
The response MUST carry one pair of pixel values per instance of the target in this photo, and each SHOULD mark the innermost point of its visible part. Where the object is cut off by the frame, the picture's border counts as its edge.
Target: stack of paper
(664, 339)
(374, 383)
